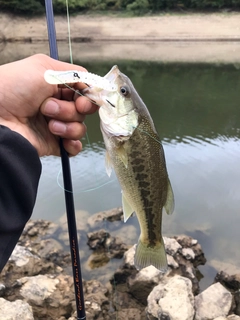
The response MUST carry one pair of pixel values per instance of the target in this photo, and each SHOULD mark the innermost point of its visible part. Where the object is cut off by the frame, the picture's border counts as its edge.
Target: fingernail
(51, 108)
(59, 127)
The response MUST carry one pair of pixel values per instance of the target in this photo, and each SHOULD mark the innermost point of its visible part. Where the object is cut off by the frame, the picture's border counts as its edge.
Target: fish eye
(124, 91)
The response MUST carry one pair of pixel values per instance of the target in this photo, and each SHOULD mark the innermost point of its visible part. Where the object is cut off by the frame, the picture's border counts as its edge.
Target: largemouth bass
(137, 156)
(135, 152)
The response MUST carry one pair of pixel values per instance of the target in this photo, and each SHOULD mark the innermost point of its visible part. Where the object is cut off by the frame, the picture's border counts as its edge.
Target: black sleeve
(20, 170)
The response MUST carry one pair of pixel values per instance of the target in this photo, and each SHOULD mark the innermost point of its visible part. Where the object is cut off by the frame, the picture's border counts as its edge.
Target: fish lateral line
(148, 134)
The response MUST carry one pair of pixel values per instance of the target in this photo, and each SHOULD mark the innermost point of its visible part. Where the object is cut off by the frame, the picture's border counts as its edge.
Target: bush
(35, 7)
(26, 7)
(74, 6)
(138, 6)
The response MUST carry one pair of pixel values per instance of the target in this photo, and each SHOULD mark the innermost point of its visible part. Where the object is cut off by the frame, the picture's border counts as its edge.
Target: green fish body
(136, 154)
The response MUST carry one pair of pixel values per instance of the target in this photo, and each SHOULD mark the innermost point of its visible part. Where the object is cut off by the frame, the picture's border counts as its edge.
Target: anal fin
(127, 209)
(169, 204)
(108, 164)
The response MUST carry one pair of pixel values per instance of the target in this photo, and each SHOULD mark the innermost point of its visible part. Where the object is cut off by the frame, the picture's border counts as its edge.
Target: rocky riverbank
(36, 283)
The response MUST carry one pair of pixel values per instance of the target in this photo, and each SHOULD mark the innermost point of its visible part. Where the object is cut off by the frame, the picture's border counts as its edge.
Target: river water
(196, 110)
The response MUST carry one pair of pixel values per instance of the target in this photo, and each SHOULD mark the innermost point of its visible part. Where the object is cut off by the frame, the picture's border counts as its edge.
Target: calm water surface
(196, 111)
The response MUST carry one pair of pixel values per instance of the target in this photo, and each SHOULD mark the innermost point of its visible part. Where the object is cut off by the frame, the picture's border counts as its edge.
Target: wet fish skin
(137, 156)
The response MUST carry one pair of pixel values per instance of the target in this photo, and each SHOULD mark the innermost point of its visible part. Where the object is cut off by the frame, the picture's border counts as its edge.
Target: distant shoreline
(212, 37)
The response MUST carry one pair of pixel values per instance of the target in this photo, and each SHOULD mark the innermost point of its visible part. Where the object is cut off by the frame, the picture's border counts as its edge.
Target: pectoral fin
(108, 164)
(169, 205)
(127, 209)
(122, 154)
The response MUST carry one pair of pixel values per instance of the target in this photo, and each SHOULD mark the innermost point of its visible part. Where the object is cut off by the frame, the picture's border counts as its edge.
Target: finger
(85, 106)
(65, 111)
(73, 147)
(67, 130)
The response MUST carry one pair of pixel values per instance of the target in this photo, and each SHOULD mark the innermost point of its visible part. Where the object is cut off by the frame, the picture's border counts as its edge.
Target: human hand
(41, 112)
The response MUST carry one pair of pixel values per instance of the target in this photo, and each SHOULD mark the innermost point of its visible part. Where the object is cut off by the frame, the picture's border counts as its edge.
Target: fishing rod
(68, 190)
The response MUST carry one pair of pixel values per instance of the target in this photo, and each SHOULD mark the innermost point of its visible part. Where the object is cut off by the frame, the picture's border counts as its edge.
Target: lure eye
(124, 91)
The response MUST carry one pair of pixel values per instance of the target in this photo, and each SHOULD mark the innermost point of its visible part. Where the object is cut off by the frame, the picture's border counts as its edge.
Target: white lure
(91, 79)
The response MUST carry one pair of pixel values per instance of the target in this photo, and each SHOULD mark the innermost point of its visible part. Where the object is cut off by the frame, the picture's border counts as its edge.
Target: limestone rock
(15, 310)
(231, 317)
(213, 302)
(129, 314)
(232, 283)
(37, 289)
(50, 296)
(172, 262)
(24, 262)
(98, 218)
(96, 300)
(172, 246)
(21, 255)
(2, 289)
(101, 241)
(143, 282)
(188, 253)
(173, 300)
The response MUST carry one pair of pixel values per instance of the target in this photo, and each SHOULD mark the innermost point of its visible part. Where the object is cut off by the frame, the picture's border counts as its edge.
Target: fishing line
(69, 34)
(83, 191)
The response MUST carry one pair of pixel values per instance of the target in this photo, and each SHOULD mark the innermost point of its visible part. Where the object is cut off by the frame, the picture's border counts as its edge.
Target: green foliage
(26, 7)
(73, 6)
(36, 7)
(138, 6)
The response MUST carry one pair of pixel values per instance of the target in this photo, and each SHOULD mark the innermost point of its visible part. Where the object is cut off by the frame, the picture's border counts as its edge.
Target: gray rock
(51, 297)
(232, 283)
(172, 246)
(188, 253)
(37, 228)
(15, 310)
(213, 302)
(143, 282)
(98, 218)
(37, 289)
(101, 241)
(97, 239)
(129, 314)
(172, 300)
(129, 256)
(172, 262)
(2, 289)
(96, 300)
(231, 317)
(21, 255)
(186, 241)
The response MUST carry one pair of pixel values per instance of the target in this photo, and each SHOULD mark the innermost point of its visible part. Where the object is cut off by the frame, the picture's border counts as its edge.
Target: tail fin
(146, 256)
